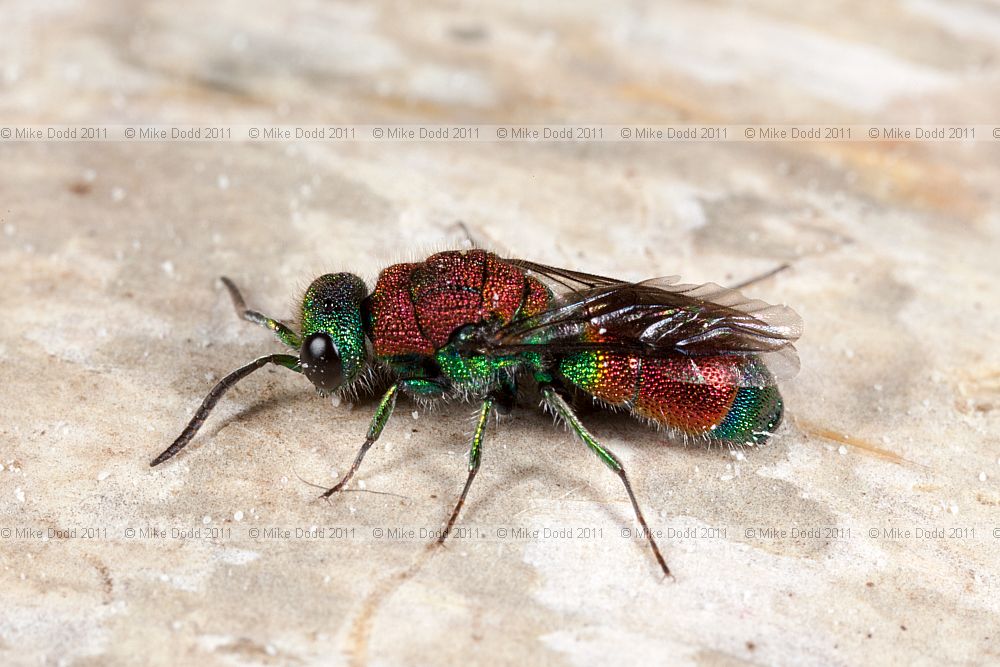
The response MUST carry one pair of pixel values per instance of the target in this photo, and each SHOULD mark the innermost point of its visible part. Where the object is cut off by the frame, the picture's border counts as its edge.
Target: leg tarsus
(642, 523)
(350, 473)
(379, 420)
(560, 407)
(458, 508)
(416, 386)
(475, 458)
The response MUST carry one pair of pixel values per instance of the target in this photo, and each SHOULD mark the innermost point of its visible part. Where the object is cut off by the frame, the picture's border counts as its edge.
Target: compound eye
(319, 348)
(320, 362)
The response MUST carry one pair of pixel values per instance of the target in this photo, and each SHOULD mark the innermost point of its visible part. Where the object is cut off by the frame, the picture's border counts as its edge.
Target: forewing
(564, 279)
(653, 318)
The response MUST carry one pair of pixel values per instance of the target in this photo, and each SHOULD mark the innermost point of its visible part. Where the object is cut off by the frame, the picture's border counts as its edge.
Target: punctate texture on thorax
(415, 308)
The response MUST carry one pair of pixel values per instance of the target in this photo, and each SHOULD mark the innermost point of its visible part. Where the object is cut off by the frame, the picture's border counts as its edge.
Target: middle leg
(475, 457)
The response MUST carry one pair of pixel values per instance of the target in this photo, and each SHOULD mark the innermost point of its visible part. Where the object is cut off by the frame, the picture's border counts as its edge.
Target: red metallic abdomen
(415, 308)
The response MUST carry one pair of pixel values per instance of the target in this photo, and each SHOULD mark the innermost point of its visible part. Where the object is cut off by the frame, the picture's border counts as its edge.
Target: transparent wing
(655, 318)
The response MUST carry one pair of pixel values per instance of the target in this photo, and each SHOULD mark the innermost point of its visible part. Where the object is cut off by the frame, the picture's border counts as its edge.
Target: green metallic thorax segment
(332, 305)
(481, 373)
(478, 374)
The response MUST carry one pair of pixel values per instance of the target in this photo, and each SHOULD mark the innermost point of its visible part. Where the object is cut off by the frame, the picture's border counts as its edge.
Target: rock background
(115, 327)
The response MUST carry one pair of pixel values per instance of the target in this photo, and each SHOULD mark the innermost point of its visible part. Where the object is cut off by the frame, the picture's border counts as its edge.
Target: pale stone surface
(115, 327)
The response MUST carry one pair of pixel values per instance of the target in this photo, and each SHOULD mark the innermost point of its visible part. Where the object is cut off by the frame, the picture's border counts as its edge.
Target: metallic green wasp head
(333, 337)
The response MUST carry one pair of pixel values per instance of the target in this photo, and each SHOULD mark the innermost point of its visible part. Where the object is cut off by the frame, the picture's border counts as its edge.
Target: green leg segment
(560, 407)
(284, 334)
(382, 414)
(420, 387)
(475, 456)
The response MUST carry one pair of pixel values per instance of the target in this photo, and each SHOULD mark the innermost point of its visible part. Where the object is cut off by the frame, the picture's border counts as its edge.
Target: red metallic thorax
(415, 308)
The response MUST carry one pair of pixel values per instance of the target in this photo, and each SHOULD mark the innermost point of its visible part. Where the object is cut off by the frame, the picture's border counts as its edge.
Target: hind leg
(558, 405)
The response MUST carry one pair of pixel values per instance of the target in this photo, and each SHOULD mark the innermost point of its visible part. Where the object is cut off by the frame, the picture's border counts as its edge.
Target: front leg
(419, 387)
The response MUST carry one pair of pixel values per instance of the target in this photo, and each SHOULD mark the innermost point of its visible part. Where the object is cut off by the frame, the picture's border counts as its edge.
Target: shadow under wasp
(699, 360)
